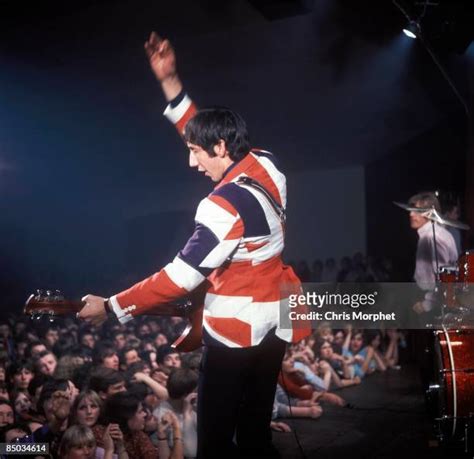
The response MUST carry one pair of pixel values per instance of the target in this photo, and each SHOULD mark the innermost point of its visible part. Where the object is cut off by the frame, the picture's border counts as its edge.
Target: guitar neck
(58, 306)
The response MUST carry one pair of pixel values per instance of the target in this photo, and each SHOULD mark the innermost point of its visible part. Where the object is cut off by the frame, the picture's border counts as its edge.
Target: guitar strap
(256, 185)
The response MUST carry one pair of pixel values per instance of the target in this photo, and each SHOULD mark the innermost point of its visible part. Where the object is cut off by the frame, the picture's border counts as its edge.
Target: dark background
(94, 189)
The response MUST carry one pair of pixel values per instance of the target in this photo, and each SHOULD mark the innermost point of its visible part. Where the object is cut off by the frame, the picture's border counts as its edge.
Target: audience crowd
(122, 391)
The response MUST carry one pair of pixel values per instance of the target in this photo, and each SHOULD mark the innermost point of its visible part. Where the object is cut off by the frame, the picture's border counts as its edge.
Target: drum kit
(451, 391)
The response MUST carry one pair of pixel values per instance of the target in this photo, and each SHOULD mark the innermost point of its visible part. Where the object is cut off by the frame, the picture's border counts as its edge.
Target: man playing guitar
(235, 252)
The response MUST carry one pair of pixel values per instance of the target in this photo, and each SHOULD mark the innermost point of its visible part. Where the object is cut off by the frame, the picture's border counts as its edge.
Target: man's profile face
(416, 218)
(212, 166)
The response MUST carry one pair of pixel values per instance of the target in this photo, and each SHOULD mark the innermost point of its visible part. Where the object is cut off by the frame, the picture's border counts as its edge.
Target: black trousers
(236, 392)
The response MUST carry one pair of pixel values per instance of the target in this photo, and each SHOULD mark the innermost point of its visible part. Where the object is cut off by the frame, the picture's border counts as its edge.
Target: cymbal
(410, 208)
(435, 216)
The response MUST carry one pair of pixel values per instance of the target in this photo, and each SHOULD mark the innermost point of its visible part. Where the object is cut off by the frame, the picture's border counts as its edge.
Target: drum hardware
(458, 370)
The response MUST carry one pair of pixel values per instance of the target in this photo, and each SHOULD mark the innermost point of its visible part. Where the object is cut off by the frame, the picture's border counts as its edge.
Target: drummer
(426, 266)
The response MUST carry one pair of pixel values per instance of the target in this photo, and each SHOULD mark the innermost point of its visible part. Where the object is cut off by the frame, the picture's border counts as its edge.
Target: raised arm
(163, 64)
(162, 60)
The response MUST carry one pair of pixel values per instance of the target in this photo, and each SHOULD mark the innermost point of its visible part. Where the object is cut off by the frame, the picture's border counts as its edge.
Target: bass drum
(452, 392)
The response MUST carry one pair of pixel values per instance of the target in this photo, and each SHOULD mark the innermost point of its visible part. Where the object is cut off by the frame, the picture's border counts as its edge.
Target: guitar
(52, 304)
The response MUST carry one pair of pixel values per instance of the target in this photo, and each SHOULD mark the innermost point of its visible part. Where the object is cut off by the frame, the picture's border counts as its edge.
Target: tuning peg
(39, 293)
(58, 295)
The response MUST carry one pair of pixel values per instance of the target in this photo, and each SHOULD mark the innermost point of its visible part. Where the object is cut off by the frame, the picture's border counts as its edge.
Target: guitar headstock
(49, 303)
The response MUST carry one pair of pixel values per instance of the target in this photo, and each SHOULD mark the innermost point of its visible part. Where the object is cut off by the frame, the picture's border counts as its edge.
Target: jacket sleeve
(180, 110)
(218, 231)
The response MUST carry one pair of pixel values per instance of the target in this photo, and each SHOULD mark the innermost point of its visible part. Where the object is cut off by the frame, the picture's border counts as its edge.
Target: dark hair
(31, 345)
(45, 329)
(84, 332)
(16, 367)
(192, 360)
(6, 402)
(211, 125)
(139, 390)
(119, 408)
(135, 367)
(37, 381)
(181, 382)
(49, 388)
(124, 352)
(163, 351)
(104, 377)
(82, 375)
(425, 199)
(370, 335)
(102, 350)
(16, 425)
(318, 344)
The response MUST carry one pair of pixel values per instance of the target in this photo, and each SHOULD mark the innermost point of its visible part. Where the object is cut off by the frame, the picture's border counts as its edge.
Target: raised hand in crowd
(113, 442)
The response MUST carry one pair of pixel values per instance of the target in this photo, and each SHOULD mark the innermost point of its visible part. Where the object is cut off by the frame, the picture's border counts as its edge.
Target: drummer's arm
(447, 254)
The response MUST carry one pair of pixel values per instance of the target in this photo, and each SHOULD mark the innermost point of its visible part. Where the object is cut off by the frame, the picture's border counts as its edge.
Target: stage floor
(388, 420)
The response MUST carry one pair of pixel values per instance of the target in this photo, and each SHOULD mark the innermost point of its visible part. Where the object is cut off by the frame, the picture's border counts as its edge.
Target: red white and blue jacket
(237, 244)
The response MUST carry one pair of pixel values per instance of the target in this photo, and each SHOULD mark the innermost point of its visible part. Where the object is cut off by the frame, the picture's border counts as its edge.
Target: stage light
(412, 29)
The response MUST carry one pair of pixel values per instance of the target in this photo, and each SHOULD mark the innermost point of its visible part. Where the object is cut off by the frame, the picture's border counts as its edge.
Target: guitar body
(52, 305)
(191, 337)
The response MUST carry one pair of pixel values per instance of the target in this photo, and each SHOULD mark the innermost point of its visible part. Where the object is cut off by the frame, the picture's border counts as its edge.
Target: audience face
(111, 361)
(119, 341)
(22, 378)
(22, 405)
(375, 343)
(37, 349)
(81, 452)
(131, 357)
(51, 337)
(20, 348)
(47, 364)
(160, 339)
(19, 327)
(4, 331)
(6, 415)
(116, 388)
(326, 351)
(172, 361)
(151, 423)
(137, 422)
(88, 340)
(144, 330)
(60, 401)
(327, 335)
(356, 342)
(339, 338)
(87, 412)
(4, 392)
